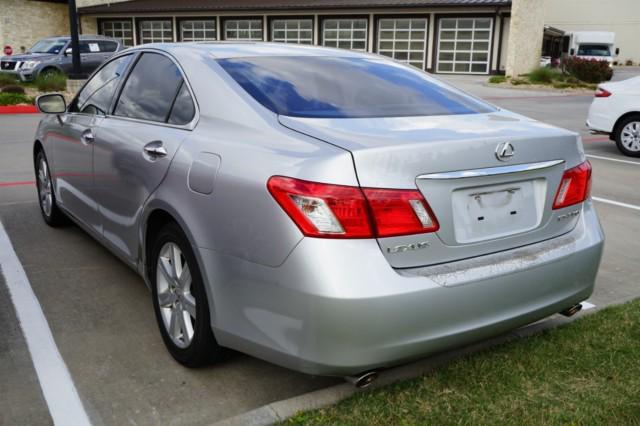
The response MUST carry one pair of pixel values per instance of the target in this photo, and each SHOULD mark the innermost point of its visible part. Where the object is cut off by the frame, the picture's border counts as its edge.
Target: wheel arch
(620, 120)
(157, 215)
(50, 67)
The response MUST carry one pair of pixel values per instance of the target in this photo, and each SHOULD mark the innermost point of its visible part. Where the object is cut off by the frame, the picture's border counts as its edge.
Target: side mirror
(68, 51)
(572, 51)
(617, 51)
(52, 103)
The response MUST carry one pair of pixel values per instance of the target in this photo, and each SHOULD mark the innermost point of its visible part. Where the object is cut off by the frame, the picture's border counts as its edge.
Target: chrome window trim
(492, 171)
(138, 51)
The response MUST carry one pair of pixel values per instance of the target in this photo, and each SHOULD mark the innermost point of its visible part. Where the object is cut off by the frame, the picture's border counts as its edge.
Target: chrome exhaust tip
(569, 312)
(363, 380)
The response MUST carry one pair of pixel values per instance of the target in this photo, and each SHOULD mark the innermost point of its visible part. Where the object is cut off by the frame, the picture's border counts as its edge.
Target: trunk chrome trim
(492, 171)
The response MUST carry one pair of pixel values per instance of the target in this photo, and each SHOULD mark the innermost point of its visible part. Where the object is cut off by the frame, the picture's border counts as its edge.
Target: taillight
(602, 93)
(400, 212)
(338, 211)
(574, 187)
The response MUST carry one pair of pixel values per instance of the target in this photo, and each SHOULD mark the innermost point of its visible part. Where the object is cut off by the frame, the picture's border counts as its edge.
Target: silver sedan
(326, 210)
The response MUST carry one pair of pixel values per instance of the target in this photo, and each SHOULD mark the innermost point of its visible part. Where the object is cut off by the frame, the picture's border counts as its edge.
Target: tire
(627, 136)
(51, 213)
(189, 339)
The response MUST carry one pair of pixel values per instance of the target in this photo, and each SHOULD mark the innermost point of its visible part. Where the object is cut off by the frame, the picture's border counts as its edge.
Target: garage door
(464, 45)
(403, 39)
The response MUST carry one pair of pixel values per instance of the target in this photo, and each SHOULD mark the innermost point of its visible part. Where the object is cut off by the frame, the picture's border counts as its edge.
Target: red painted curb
(18, 109)
(17, 183)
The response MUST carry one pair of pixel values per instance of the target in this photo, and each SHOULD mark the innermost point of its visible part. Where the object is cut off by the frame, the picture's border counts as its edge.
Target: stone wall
(525, 36)
(22, 23)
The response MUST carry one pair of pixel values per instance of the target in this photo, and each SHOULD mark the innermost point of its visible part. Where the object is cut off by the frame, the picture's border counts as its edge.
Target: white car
(615, 110)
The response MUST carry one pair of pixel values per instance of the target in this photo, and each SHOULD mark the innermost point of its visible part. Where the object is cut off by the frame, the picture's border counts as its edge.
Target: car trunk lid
(483, 204)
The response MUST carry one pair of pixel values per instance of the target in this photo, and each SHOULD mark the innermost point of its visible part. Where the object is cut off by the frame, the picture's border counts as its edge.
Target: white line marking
(57, 386)
(586, 306)
(616, 203)
(617, 160)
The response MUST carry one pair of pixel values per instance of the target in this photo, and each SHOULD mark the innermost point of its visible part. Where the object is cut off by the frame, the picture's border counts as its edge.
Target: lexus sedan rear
(326, 210)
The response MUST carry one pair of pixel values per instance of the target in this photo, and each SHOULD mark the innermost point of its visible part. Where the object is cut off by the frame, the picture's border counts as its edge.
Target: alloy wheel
(630, 136)
(44, 187)
(177, 304)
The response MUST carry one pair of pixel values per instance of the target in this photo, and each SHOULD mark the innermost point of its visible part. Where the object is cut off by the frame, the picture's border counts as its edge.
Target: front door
(135, 146)
(74, 144)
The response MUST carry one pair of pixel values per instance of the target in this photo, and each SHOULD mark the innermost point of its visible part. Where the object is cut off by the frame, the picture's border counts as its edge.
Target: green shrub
(629, 63)
(588, 70)
(7, 79)
(14, 88)
(562, 85)
(51, 82)
(497, 79)
(14, 99)
(545, 75)
(519, 81)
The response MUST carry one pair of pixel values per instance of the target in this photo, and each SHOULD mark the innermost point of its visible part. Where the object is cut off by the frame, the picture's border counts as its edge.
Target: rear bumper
(601, 117)
(338, 308)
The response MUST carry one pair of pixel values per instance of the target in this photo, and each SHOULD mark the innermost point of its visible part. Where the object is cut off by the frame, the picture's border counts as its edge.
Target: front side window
(403, 39)
(95, 97)
(89, 47)
(156, 31)
(328, 87)
(48, 46)
(243, 29)
(121, 30)
(198, 30)
(594, 50)
(345, 33)
(150, 90)
(299, 31)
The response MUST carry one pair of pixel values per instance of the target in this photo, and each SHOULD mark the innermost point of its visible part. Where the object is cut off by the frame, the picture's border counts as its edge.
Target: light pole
(75, 44)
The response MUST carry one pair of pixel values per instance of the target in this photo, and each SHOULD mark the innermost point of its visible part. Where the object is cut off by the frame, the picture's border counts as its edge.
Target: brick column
(525, 36)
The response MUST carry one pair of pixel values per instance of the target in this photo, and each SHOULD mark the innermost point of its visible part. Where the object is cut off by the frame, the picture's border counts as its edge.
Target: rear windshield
(328, 87)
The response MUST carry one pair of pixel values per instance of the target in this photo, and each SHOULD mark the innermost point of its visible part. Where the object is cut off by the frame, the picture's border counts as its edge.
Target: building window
(198, 30)
(298, 31)
(156, 31)
(243, 29)
(345, 33)
(464, 45)
(121, 30)
(403, 39)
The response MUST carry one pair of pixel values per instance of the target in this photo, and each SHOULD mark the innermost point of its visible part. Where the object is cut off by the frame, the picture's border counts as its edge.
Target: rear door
(91, 56)
(135, 145)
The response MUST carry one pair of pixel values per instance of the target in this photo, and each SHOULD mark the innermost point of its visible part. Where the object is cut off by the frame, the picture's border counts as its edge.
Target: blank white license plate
(496, 211)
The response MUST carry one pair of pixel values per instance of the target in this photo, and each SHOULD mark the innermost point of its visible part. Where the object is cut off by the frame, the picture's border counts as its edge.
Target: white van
(598, 45)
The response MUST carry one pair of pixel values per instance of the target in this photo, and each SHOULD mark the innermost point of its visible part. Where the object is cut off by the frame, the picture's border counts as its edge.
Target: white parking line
(617, 160)
(57, 386)
(616, 203)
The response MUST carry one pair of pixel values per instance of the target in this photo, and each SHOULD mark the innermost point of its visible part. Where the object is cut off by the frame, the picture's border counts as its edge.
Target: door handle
(87, 137)
(155, 149)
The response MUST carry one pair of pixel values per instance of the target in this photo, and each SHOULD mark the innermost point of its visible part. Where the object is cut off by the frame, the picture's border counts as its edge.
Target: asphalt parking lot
(101, 317)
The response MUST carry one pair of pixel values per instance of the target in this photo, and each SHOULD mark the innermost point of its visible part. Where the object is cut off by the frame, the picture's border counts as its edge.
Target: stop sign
(8, 50)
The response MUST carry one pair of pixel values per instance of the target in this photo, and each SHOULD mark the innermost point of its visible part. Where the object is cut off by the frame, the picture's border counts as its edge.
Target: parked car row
(53, 54)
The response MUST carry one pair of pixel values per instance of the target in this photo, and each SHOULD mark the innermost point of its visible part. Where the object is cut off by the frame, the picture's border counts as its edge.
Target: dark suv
(53, 54)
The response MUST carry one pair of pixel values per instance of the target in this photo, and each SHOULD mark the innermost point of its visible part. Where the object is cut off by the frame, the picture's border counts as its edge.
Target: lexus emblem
(505, 151)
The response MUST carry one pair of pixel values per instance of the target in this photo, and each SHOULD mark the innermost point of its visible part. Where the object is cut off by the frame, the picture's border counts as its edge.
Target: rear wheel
(180, 301)
(51, 214)
(627, 136)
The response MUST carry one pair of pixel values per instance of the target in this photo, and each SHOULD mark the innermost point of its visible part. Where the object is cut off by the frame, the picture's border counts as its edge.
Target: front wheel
(627, 136)
(180, 300)
(51, 214)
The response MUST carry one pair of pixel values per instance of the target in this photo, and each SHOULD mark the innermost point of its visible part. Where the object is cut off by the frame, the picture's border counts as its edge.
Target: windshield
(594, 50)
(48, 46)
(328, 87)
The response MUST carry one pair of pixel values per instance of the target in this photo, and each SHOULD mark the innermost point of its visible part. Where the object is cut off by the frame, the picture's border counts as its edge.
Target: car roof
(80, 37)
(228, 49)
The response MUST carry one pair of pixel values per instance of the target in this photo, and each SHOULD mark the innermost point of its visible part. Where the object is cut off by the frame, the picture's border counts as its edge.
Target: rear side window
(183, 108)
(108, 46)
(331, 87)
(150, 90)
(95, 97)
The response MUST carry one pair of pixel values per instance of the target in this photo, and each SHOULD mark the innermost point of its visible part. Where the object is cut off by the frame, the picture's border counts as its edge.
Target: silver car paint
(316, 305)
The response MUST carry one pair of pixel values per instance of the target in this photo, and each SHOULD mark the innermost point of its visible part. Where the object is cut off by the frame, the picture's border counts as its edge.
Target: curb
(18, 109)
(281, 410)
